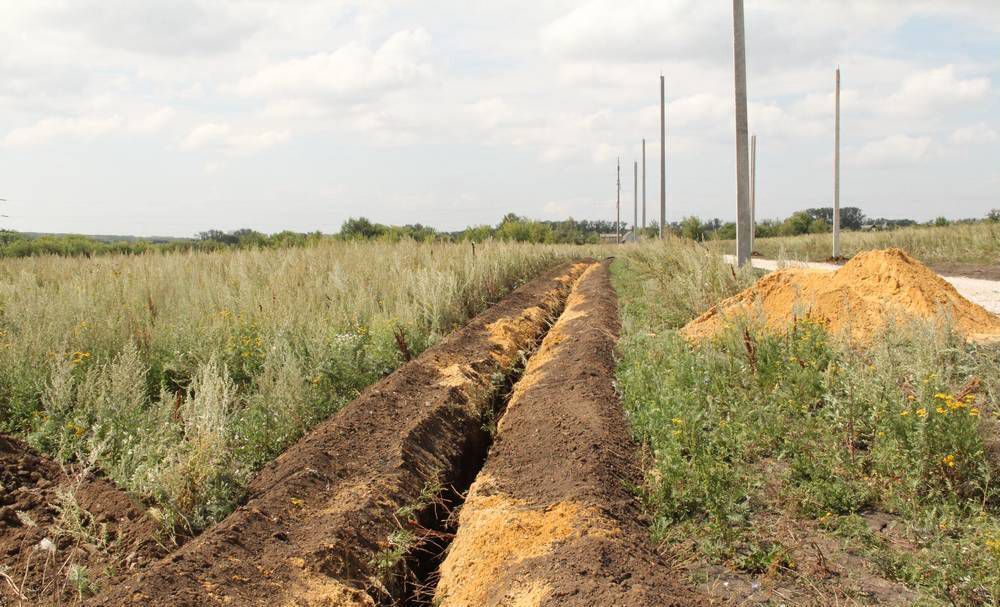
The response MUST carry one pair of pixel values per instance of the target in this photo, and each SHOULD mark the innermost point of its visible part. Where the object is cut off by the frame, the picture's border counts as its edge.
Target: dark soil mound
(54, 521)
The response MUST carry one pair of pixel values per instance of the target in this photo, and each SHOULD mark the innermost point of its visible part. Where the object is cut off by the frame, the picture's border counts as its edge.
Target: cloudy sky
(169, 117)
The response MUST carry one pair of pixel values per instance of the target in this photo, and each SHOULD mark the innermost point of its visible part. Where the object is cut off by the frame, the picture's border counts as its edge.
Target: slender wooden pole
(643, 184)
(618, 205)
(635, 209)
(836, 177)
(742, 136)
(663, 155)
(753, 191)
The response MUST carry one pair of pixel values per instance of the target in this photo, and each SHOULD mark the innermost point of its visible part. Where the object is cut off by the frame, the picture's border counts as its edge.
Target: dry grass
(181, 374)
(960, 243)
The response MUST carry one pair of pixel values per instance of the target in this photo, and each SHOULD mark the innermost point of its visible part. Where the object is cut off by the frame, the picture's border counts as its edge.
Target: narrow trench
(442, 519)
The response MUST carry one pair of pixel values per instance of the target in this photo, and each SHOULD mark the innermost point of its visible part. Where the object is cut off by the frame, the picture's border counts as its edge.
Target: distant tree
(691, 227)
(851, 218)
(941, 222)
(993, 215)
(798, 223)
(361, 228)
(819, 226)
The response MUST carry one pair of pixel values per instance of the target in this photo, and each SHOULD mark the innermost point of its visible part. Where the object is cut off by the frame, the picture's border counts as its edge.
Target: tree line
(511, 227)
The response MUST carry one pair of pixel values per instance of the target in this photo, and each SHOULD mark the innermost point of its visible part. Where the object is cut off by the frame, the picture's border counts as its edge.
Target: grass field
(958, 243)
(761, 444)
(179, 375)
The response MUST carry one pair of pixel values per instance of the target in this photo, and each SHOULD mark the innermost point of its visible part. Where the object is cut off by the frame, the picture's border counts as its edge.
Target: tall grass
(181, 374)
(755, 427)
(977, 243)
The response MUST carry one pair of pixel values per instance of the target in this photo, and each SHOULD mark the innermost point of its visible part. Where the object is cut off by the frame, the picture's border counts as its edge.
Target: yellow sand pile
(858, 299)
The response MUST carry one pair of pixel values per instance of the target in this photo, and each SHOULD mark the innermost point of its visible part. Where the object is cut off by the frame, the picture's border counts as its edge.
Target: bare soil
(550, 520)
(53, 519)
(968, 270)
(332, 520)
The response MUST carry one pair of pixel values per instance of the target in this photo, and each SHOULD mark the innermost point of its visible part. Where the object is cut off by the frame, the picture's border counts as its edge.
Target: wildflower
(942, 410)
(904, 414)
(921, 412)
(911, 397)
(948, 460)
(677, 421)
(941, 396)
(970, 398)
(676, 433)
(974, 412)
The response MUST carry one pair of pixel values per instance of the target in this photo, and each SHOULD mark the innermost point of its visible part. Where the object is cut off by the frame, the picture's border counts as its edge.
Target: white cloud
(152, 122)
(49, 129)
(224, 137)
(172, 27)
(932, 89)
(893, 151)
(635, 31)
(979, 134)
(351, 73)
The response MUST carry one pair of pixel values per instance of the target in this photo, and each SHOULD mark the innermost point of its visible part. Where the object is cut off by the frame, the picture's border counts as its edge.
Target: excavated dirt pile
(859, 299)
(549, 520)
(335, 520)
(54, 521)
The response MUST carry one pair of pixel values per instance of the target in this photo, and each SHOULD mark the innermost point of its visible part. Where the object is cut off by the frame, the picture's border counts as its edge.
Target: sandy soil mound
(550, 520)
(858, 300)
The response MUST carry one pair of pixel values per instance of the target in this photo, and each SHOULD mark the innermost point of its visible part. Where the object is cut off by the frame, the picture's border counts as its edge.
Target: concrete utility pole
(635, 209)
(836, 178)
(753, 191)
(643, 184)
(618, 205)
(663, 155)
(742, 135)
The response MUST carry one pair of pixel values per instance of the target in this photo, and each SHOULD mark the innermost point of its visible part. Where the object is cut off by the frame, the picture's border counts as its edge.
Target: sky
(173, 117)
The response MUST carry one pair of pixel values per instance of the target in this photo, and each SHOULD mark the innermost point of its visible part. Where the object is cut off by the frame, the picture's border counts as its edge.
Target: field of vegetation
(793, 464)
(179, 375)
(970, 243)
(786, 457)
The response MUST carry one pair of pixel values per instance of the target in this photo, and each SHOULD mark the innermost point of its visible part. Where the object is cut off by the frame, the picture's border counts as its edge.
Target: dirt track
(321, 522)
(549, 520)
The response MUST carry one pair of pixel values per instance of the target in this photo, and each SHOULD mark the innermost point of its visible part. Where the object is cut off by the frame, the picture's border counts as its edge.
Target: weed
(755, 421)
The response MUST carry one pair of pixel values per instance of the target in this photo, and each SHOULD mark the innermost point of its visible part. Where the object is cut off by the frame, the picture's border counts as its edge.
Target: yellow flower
(970, 398)
(942, 410)
(948, 460)
(921, 412)
(676, 433)
(904, 414)
(677, 421)
(974, 412)
(911, 397)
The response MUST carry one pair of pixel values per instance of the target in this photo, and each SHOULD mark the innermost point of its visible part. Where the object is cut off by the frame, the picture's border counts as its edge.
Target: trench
(441, 520)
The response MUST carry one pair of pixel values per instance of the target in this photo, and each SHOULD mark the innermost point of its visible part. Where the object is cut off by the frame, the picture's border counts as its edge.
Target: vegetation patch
(804, 467)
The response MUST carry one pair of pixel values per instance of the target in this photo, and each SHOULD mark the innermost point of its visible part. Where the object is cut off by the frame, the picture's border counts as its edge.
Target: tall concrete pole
(643, 184)
(836, 178)
(663, 155)
(753, 191)
(742, 136)
(618, 205)
(635, 209)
